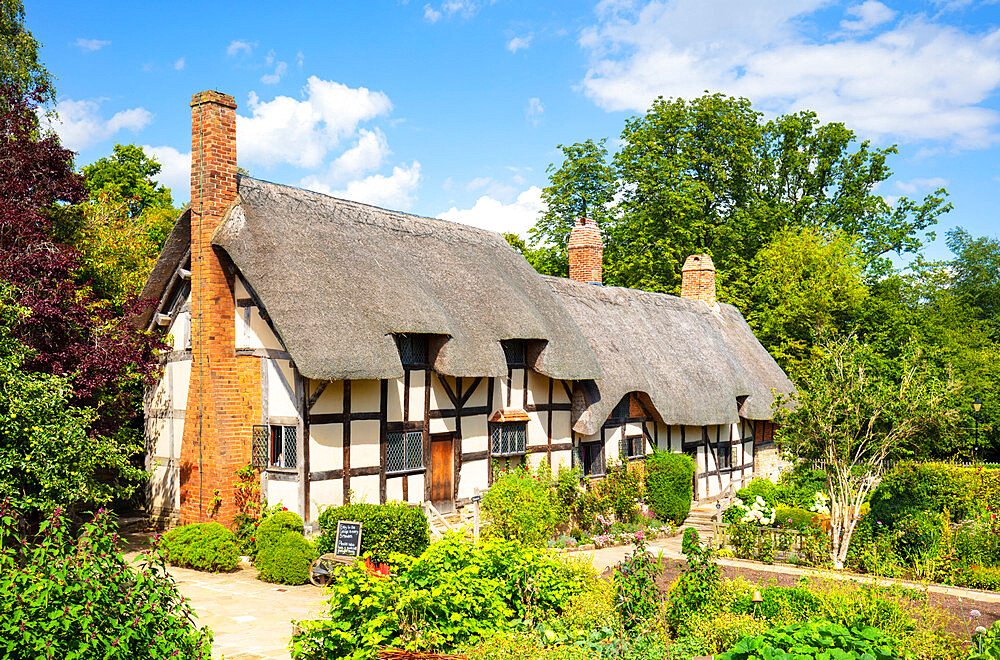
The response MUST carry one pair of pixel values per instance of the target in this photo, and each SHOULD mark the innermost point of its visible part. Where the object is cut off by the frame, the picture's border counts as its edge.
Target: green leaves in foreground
(817, 639)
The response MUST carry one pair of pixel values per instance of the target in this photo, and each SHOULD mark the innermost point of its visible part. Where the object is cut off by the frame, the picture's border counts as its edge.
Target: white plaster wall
(538, 388)
(394, 489)
(439, 398)
(416, 396)
(323, 494)
(326, 447)
(534, 460)
(561, 429)
(365, 446)
(285, 493)
(158, 436)
(442, 425)
(537, 435)
(516, 388)
(559, 393)
(478, 398)
(395, 400)
(280, 389)
(474, 475)
(261, 335)
(416, 488)
(164, 494)
(366, 489)
(332, 398)
(474, 434)
(365, 396)
(180, 331)
(180, 380)
(563, 458)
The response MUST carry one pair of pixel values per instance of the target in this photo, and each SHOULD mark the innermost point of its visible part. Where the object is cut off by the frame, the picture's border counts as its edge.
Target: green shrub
(518, 506)
(759, 487)
(797, 487)
(697, 590)
(385, 529)
(979, 577)
(668, 485)
(815, 639)
(287, 560)
(588, 507)
(66, 596)
(636, 591)
(202, 546)
(622, 490)
(795, 518)
(455, 594)
(779, 604)
(273, 527)
(566, 492)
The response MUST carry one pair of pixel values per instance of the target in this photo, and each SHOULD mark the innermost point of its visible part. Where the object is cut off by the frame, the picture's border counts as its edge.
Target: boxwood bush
(669, 485)
(202, 546)
(795, 518)
(385, 528)
(286, 560)
(273, 528)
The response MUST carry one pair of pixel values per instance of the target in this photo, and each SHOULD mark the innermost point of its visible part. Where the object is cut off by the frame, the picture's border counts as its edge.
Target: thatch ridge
(693, 362)
(338, 278)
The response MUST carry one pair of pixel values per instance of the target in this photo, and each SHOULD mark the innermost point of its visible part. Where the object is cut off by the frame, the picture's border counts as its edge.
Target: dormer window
(514, 351)
(412, 349)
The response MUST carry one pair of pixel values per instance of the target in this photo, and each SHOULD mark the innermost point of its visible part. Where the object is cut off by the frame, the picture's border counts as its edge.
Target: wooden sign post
(348, 541)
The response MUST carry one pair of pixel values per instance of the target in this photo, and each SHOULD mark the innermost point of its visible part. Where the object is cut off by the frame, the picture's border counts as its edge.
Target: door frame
(448, 437)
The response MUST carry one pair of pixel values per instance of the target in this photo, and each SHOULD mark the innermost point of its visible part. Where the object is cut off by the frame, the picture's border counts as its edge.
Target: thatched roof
(693, 362)
(339, 278)
(176, 246)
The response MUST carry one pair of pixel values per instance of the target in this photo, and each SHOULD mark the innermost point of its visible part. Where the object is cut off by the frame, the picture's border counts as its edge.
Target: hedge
(759, 487)
(669, 485)
(385, 528)
(914, 487)
(273, 528)
(287, 560)
(202, 546)
(795, 518)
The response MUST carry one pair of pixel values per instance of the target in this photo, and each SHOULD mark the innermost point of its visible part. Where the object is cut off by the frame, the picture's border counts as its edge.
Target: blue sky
(454, 109)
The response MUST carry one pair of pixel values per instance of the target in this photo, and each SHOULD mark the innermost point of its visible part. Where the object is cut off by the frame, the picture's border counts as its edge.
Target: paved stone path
(252, 619)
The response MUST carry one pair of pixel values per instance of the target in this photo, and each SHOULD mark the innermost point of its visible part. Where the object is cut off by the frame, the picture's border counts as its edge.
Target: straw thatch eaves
(339, 279)
(697, 366)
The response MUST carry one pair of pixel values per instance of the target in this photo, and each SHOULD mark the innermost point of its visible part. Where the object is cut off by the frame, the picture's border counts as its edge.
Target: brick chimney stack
(698, 279)
(586, 252)
(214, 444)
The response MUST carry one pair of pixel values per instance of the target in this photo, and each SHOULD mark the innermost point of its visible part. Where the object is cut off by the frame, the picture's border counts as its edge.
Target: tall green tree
(129, 176)
(976, 274)
(854, 414)
(19, 64)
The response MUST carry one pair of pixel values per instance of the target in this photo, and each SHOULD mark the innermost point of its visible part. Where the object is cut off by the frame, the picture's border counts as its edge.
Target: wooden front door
(442, 463)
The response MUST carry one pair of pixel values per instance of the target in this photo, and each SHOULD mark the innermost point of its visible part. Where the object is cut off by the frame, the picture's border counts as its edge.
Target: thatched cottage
(357, 354)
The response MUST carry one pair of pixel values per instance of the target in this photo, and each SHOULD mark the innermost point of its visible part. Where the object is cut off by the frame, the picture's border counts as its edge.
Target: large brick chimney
(215, 444)
(586, 252)
(698, 279)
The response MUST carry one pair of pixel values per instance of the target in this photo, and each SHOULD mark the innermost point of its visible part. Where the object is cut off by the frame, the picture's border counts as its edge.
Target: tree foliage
(19, 64)
(854, 413)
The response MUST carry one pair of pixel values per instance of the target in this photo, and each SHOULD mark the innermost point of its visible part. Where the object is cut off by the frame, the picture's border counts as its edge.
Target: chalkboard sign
(477, 497)
(348, 539)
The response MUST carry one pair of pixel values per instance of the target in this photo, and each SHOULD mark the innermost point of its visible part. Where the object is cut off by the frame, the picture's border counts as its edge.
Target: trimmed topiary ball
(202, 546)
(272, 528)
(287, 560)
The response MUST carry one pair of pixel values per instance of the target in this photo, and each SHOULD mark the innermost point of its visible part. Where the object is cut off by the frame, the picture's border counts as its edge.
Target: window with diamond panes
(284, 446)
(508, 438)
(412, 350)
(513, 350)
(404, 450)
(634, 446)
(259, 447)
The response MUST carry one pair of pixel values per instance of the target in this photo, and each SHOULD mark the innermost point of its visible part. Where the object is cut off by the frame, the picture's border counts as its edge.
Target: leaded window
(634, 446)
(590, 458)
(724, 453)
(513, 350)
(261, 435)
(284, 446)
(404, 451)
(412, 349)
(508, 438)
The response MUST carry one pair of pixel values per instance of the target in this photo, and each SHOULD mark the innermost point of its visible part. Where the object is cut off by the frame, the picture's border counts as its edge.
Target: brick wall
(698, 279)
(216, 430)
(586, 252)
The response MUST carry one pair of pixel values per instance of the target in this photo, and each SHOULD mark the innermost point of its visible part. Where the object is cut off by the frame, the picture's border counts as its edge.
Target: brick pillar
(215, 444)
(586, 252)
(698, 279)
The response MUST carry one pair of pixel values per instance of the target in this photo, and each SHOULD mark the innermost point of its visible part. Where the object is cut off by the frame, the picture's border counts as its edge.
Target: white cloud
(179, 64)
(175, 171)
(916, 80)
(393, 191)
(914, 185)
(367, 155)
(867, 15)
(519, 43)
(237, 46)
(488, 213)
(300, 59)
(79, 124)
(534, 110)
(431, 15)
(90, 45)
(272, 78)
(286, 130)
